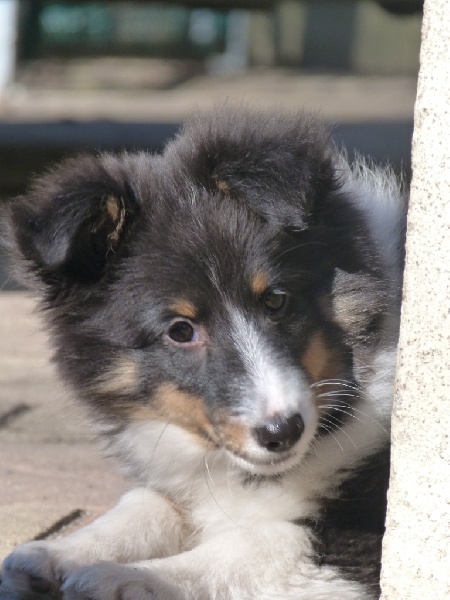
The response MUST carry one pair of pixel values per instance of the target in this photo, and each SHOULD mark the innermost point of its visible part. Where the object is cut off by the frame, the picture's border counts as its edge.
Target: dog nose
(278, 434)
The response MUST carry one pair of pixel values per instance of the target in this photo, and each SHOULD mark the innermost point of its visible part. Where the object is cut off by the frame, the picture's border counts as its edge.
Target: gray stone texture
(416, 560)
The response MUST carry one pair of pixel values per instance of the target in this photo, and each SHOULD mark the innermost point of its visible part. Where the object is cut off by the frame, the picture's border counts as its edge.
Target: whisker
(342, 382)
(298, 247)
(329, 429)
(5, 284)
(337, 394)
(207, 474)
(155, 447)
(306, 276)
(341, 404)
(345, 412)
(335, 423)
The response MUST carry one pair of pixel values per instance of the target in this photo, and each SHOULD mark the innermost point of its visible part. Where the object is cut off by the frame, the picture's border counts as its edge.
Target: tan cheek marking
(120, 378)
(188, 412)
(316, 357)
(184, 308)
(141, 413)
(233, 435)
(178, 408)
(321, 361)
(260, 283)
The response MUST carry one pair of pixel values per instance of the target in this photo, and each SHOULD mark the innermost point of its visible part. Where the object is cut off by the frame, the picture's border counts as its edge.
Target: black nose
(279, 435)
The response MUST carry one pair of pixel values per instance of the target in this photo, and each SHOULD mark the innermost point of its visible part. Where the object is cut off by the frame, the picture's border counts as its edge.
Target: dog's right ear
(69, 226)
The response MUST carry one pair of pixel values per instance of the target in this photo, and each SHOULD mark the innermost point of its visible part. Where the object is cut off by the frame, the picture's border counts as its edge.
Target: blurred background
(109, 75)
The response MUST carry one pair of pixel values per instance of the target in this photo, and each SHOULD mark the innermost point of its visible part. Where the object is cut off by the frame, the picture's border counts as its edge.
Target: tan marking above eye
(223, 186)
(183, 308)
(121, 377)
(260, 283)
(112, 206)
(116, 211)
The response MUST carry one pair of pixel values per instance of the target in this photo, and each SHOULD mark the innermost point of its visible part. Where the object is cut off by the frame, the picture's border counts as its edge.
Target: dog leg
(267, 562)
(142, 525)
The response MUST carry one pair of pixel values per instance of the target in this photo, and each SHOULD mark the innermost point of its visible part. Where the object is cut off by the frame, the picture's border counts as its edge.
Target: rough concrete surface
(416, 559)
(52, 477)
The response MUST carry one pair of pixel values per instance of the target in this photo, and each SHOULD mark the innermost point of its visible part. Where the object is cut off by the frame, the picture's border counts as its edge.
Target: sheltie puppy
(228, 311)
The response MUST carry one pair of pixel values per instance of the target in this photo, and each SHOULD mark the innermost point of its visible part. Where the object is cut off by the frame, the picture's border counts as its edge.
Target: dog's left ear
(281, 166)
(73, 221)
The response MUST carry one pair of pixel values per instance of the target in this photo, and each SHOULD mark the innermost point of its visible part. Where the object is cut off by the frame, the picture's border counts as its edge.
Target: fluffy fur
(228, 311)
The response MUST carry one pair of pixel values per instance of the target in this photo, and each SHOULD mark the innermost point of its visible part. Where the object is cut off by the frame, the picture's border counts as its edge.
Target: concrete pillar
(416, 547)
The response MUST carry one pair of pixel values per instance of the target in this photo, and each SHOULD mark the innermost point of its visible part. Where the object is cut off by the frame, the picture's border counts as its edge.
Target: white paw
(36, 567)
(113, 581)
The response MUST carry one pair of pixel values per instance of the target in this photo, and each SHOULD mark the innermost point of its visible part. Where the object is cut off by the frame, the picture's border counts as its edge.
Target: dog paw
(107, 580)
(36, 567)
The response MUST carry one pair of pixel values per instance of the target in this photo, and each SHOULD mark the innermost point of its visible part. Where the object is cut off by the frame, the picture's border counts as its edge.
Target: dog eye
(182, 332)
(274, 301)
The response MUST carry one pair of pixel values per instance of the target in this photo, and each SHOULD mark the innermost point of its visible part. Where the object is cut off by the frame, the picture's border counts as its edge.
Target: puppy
(228, 310)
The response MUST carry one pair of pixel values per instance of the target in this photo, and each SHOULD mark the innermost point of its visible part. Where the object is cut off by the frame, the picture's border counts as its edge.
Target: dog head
(214, 287)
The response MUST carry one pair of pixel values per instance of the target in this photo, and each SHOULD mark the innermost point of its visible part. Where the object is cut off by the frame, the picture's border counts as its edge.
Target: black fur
(281, 171)
(113, 241)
